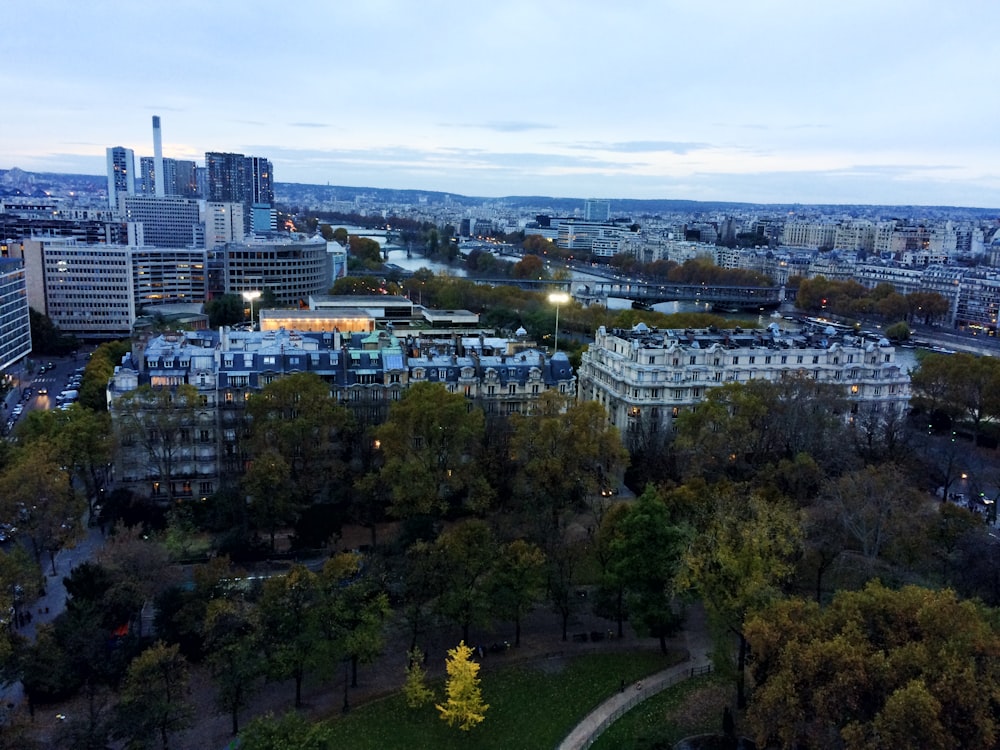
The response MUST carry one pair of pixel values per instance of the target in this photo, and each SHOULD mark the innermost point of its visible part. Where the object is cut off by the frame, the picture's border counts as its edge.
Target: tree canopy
(876, 669)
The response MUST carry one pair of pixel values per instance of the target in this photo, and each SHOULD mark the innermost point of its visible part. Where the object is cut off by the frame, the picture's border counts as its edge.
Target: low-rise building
(645, 377)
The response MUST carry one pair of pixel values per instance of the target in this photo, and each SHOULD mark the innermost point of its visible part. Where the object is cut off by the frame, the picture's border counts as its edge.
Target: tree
(153, 696)
(295, 417)
(267, 484)
(415, 688)
(100, 368)
(355, 285)
(876, 669)
(36, 490)
(739, 561)
(466, 555)
(518, 581)
(350, 612)
(155, 427)
(961, 385)
(645, 556)
(564, 454)
(289, 627)
(291, 732)
(464, 698)
(46, 337)
(877, 509)
(226, 310)
(430, 441)
(81, 438)
(233, 647)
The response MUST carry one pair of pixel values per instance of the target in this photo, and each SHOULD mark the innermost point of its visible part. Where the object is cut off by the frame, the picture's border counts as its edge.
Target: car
(18, 410)
(43, 391)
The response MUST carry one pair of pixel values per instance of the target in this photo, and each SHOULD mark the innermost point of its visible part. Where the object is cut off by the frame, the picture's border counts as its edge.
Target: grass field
(691, 707)
(531, 706)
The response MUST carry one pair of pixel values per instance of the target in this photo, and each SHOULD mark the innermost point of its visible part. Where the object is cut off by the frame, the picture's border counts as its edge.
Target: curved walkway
(698, 644)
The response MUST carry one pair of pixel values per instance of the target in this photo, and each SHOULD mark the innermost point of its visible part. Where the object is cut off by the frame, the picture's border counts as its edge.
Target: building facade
(291, 270)
(162, 222)
(366, 372)
(15, 326)
(121, 174)
(99, 290)
(646, 377)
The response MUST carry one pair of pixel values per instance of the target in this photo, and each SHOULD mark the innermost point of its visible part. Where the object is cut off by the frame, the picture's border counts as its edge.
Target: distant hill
(17, 182)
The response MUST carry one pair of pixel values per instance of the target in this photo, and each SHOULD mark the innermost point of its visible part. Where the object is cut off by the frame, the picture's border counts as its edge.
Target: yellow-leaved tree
(464, 705)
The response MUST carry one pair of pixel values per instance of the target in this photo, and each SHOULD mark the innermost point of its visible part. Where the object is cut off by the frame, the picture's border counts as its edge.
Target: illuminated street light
(250, 297)
(557, 299)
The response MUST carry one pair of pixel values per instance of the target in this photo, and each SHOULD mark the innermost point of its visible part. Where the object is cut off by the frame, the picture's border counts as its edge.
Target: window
(692, 360)
(753, 360)
(204, 436)
(512, 389)
(205, 488)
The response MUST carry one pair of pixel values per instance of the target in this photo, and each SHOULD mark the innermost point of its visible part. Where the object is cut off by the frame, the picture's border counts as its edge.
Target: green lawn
(688, 708)
(532, 707)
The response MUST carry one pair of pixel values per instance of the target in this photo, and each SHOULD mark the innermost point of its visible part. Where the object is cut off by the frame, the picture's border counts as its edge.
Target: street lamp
(557, 299)
(250, 297)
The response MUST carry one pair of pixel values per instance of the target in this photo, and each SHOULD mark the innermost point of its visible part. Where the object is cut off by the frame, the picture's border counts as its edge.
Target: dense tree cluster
(775, 504)
(851, 299)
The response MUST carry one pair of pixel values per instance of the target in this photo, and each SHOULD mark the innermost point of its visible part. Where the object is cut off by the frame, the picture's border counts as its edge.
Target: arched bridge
(748, 297)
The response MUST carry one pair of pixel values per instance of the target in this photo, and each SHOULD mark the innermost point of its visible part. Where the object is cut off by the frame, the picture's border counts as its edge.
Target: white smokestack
(158, 158)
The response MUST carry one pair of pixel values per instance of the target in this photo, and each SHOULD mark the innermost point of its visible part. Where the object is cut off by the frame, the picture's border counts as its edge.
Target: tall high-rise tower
(121, 174)
(160, 183)
(259, 175)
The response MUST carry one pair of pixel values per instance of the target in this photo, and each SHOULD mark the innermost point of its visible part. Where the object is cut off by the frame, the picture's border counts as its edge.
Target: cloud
(309, 125)
(640, 147)
(503, 126)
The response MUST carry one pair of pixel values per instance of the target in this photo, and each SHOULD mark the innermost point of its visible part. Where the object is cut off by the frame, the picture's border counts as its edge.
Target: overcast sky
(815, 101)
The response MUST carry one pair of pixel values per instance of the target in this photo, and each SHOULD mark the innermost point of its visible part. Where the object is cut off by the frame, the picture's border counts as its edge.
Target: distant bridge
(650, 293)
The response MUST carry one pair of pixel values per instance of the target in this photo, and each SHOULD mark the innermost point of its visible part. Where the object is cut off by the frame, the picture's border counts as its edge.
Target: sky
(770, 101)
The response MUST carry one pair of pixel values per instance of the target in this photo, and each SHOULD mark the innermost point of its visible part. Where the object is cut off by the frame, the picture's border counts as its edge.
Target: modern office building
(98, 291)
(645, 377)
(366, 371)
(121, 174)
(292, 270)
(15, 326)
(162, 222)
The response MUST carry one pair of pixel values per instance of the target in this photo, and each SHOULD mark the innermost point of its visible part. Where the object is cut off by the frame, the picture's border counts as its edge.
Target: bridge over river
(650, 293)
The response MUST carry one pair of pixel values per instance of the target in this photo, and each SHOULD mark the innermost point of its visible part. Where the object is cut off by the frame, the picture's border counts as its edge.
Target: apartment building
(645, 377)
(366, 371)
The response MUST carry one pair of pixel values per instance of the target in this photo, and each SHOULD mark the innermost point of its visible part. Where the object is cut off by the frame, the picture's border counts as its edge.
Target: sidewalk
(698, 644)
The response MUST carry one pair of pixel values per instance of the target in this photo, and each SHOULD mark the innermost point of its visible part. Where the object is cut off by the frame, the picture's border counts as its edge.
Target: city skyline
(775, 103)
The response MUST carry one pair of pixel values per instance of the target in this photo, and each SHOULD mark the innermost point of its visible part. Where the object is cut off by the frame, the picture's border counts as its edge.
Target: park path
(698, 643)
